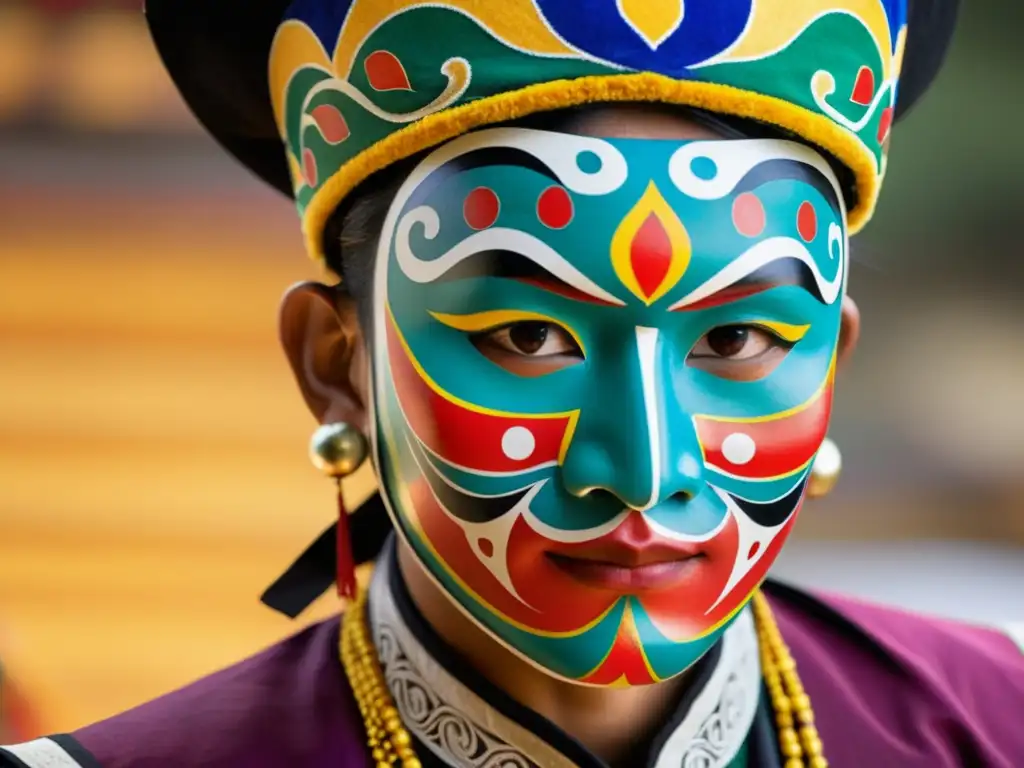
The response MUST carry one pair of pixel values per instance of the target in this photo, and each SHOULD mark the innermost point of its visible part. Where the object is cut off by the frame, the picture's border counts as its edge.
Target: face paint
(602, 369)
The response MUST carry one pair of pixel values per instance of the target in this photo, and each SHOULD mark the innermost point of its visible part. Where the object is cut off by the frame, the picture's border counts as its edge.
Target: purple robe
(888, 688)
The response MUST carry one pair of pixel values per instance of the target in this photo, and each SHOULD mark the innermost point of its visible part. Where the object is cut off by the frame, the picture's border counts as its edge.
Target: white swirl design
(767, 251)
(823, 85)
(436, 723)
(456, 69)
(749, 535)
(497, 238)
(720, 718)
(714, 740)
(558, 151)
(735, 159)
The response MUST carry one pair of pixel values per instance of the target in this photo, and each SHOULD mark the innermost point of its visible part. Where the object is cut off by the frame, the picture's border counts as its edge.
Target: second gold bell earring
(338, 450)
(825, 471)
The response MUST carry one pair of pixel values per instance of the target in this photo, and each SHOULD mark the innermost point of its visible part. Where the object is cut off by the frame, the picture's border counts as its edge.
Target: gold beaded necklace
(391, 745)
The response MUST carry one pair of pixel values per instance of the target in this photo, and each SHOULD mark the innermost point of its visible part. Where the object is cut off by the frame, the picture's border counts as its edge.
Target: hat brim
(217, 53)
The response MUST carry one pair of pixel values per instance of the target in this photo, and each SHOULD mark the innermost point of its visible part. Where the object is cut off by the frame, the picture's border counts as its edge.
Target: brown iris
(738, 352)
(528, 337)
(728, 340)
(529, 347)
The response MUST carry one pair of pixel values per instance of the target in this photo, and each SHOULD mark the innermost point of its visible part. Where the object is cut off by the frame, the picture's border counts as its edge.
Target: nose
(626, 441)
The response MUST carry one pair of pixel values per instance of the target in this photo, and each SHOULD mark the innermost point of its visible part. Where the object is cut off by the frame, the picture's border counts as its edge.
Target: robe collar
(461, 720)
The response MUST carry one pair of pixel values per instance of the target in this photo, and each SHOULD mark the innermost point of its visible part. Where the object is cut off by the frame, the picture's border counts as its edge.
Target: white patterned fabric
(41, 753)
(465, 731)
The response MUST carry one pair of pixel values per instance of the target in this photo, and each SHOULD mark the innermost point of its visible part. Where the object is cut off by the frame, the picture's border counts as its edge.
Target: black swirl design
(477, 158)
(775, 170)
(773, 513)
(462, 505)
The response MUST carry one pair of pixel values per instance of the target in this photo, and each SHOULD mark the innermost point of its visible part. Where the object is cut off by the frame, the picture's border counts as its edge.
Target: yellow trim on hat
(437, 128)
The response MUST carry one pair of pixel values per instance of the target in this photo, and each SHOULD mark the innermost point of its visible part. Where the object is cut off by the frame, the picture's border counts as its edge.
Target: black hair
(352, 232)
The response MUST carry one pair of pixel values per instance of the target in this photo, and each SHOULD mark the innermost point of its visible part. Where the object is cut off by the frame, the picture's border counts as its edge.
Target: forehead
(634, 121)
(568, 202)
(610, 172)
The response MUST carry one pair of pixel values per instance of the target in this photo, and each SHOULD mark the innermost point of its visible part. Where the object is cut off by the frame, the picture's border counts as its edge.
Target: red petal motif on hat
(863, 87)
(331, 123)
(884, 125)
(309, 167)
(385, 72)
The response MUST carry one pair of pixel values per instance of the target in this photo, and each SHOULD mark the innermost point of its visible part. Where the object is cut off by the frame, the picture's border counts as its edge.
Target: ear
(321, 336)
(849, 331)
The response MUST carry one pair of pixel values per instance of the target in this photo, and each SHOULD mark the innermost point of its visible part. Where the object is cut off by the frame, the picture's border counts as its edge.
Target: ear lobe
(849, 331)
(320, 334)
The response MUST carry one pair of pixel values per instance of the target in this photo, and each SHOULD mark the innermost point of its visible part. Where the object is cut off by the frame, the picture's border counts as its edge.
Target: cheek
(550, 601)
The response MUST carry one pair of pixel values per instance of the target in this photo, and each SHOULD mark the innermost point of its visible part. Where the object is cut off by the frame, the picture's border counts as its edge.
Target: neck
(610, 722)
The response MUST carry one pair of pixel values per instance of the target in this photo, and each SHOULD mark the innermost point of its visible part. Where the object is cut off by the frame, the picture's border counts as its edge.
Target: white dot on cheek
(518, 443)
(738, 448)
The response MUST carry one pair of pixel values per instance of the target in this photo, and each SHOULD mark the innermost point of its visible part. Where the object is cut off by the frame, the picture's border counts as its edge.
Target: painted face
(602, 369)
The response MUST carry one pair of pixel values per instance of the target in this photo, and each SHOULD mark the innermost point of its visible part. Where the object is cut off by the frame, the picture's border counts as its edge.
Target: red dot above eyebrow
(807, 221)
(480, 209)
(554, 207)
(754, 549)
(486, 547)
(748, 215)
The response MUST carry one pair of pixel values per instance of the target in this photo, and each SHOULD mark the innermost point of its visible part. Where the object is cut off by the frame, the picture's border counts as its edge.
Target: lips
(629, 559)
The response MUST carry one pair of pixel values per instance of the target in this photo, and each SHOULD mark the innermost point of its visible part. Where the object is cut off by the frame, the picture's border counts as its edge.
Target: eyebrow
(780, 273)
(514, 266)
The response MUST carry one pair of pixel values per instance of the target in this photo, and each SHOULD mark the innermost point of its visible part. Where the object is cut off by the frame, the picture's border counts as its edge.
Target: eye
(736, 342)
(529, 348)
(740, 352)
(533, 338)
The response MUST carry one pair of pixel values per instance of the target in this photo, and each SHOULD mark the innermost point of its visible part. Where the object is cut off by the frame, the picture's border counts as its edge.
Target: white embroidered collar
(462, 730)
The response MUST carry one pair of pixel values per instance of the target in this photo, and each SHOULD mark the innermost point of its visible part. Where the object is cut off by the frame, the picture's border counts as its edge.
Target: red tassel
(346, 574)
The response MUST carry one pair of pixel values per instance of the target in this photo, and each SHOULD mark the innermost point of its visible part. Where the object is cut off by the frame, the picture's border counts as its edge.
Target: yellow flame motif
(653, 20)
(651, 248)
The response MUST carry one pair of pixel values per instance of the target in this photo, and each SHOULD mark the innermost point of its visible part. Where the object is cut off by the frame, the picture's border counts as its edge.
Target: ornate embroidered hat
(352, 86)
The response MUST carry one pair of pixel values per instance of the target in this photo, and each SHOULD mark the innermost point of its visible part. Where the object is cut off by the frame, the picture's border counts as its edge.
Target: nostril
(603, 496)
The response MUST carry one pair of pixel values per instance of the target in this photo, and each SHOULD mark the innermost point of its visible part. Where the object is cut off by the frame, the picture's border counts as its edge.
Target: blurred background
(153, 472)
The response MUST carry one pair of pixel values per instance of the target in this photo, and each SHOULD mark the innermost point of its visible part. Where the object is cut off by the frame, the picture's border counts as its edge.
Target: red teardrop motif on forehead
(385, 72)
(554, 207)
(650, 254)
(807, 221)
(480, 209)
(486, 547)
(884, 125)
(748, 215)
(863, 87)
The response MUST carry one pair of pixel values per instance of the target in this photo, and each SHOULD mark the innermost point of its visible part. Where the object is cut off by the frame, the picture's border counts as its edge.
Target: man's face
(602, 368)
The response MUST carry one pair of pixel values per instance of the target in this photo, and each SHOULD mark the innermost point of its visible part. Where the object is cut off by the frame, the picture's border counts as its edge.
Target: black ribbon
(314, 571)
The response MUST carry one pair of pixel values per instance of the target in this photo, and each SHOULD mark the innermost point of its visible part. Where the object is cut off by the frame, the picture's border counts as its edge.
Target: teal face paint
(602, 369)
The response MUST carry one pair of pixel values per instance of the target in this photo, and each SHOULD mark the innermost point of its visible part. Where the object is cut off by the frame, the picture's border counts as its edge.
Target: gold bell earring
(338, 450)
(825, 471)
